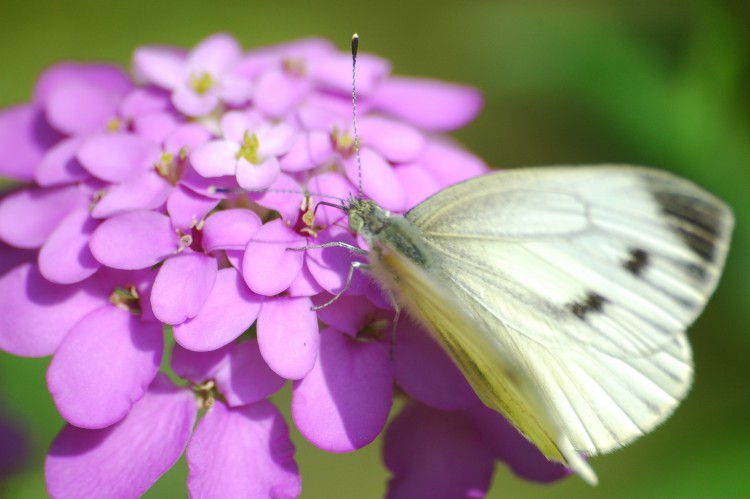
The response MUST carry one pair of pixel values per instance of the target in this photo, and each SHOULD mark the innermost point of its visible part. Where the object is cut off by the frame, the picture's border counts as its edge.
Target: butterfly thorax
(386, 232)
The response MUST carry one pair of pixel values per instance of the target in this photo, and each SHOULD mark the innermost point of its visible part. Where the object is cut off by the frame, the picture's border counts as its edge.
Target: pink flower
(198, 80)
(132, 236)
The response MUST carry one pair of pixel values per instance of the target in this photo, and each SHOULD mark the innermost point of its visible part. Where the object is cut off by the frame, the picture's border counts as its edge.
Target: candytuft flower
(173, 213)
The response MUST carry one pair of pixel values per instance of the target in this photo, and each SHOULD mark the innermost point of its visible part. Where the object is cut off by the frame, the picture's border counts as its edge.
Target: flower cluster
(155, 218)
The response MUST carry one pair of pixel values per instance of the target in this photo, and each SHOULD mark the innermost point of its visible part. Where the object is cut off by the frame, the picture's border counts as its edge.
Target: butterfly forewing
(587, 278)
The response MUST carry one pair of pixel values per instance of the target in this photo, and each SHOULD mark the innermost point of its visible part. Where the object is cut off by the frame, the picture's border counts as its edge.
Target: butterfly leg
(397, 308)
(335, 244)
(352, 268)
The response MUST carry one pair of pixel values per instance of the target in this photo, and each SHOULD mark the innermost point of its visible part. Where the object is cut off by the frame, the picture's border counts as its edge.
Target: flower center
(294, 67)
(249, 148)
(127, 299)
(201, 82)
(113, 125)
(342, 141)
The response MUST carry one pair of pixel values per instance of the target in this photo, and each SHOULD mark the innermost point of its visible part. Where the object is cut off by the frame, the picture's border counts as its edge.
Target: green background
(566, 82)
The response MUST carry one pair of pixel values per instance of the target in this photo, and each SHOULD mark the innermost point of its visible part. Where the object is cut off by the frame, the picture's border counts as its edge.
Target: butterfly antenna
(355, 46)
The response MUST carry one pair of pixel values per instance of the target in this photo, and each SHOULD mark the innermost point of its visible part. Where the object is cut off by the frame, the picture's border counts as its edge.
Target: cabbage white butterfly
(562, 293)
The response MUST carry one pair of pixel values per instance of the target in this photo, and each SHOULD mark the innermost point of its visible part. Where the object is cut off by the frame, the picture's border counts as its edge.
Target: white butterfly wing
(588, 278)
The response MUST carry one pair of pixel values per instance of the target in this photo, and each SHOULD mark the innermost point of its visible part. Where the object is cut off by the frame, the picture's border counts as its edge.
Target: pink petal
(198, 367)
(187, 208)
(163, 66)
(79, 106)
(105, 76)
(35, 314)
(331, 266)
(155, 127)
(379, 182)
(230, 309)
(234, 125)
(187, 101)
(330, 187)
(234, 89)
(134, 240)
(284, 196)
(182, 286)
(348, 314)
(229, 229)
(214, 54)
(450, 164)
(255, 177)
(186, 137)
(103, 366)
(215, 158)
(278, 92)
(425, 372)
(145, 191)
(144, 100)
(268, 266)
(397, 142)
(335, 72)
(65, 257)
(126, 459)
(115, 157)
(28, 217)
(305, 284)
(428, 104)
(246, 378)
(342, 404)
(419, 183)
(60, 165)
(437, 455)
(242, 452)
(11, 257)
(288, 336)
(25, 136)
(309, 150)
(523, 457)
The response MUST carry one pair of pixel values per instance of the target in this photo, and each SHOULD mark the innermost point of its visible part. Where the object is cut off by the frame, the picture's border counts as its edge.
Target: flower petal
(426, 373)
(182, 286)
(281, 197)
(145, 191)
(187, 208)
(397, 142)
(229, 229)
(450, 164)
(309, 150)
(379, 182)
(419, 183)
(523, 457)
(278, 92)
(28, 217)
(437, 455)
(428, 104)
(215, 158)
(268, 266)
(115, 157)
(60, 165)
(331, 266)
(192, 103)
(246, 378)
(342, 404)
(348, 314)
(134, 240)
(163, 66)
(214, 54)
(35, 314)
(65, 257)
(198, 367)
(229, 310)
(288, 336)
(103, 366)
(128, 457)
(242, 452)
(25, 136)
(256, 177)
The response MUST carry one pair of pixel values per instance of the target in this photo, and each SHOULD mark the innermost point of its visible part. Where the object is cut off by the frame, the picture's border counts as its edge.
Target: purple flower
(173, 213)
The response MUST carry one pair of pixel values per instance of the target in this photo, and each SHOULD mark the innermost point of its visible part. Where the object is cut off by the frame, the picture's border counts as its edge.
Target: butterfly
(561, 293)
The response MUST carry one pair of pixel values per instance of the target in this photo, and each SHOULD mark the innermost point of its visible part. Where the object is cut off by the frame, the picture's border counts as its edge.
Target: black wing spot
(592, 303)
(697, 221)
(637, 261)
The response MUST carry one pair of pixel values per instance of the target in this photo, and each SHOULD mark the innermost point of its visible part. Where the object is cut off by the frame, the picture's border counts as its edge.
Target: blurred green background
(566, 82)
